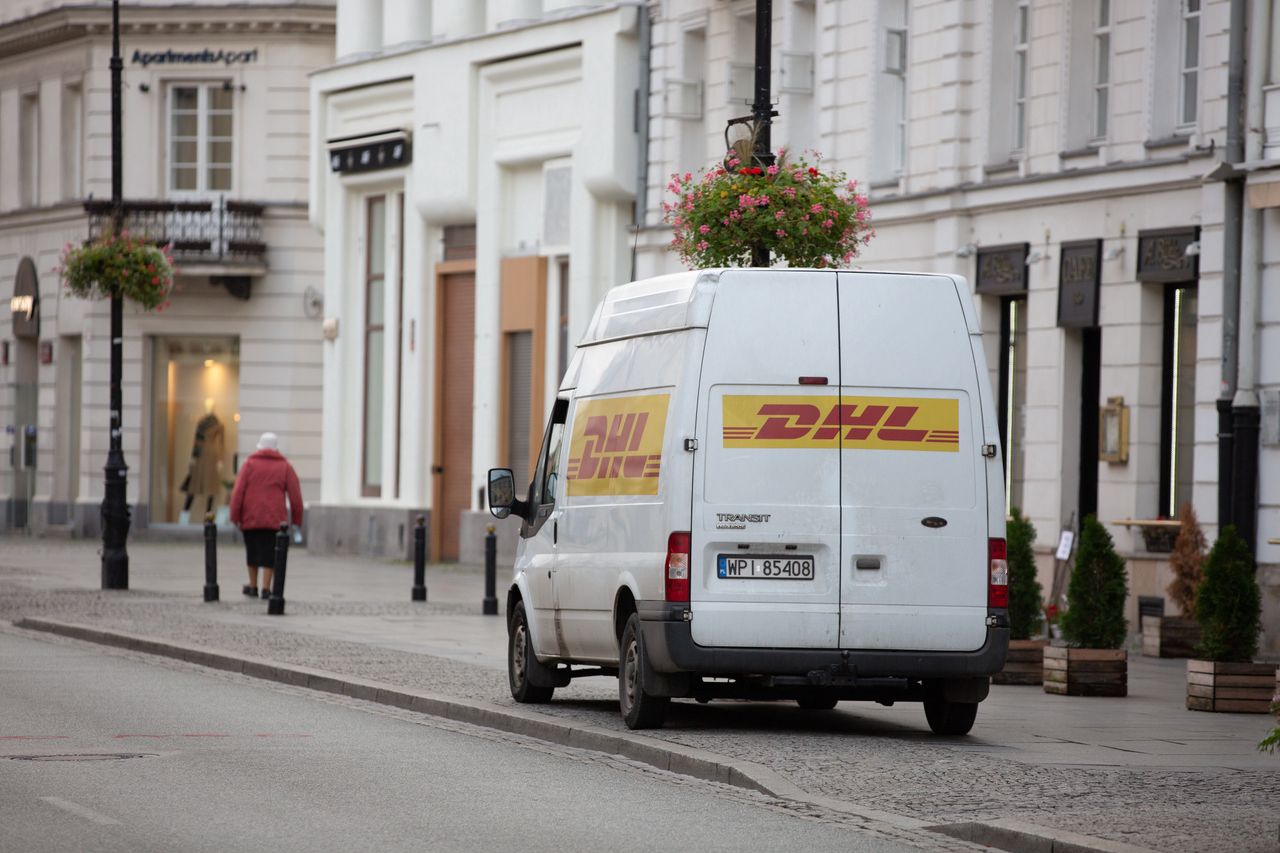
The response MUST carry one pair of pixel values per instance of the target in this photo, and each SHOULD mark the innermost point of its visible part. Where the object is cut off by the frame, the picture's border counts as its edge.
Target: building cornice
(70, 23)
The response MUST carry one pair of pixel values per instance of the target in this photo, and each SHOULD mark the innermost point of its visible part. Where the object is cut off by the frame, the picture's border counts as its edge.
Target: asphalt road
(222, 763)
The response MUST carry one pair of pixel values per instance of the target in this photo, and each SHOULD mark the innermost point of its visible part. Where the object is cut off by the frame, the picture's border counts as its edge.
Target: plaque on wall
(1003, 269)
(1079, 279)
(1162, 255)
(24, 305)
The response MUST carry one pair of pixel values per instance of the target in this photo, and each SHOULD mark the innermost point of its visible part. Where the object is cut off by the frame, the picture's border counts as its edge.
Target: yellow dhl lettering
(851, 423)
(616, 446)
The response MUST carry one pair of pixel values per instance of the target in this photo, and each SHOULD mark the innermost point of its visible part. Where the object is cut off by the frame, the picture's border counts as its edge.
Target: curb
(1009, 835)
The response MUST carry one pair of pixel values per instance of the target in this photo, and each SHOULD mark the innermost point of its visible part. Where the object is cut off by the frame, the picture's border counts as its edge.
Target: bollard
(490, 606)
(420, 559)
(210, 558)
(275, 604)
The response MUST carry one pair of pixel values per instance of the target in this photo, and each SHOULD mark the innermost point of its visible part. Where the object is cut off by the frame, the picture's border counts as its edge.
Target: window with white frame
(891, 92)
(1189, 64)
(1101, 67)
(1021, 41)
(201, 126)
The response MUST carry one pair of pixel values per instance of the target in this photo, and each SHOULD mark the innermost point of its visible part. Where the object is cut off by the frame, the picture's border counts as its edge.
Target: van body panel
(907, 364)
(759, 500)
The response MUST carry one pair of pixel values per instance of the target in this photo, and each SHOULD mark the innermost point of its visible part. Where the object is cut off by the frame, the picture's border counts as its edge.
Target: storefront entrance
(194, 427)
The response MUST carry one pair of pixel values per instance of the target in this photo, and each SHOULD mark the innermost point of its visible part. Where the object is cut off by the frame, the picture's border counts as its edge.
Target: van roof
(683, 300)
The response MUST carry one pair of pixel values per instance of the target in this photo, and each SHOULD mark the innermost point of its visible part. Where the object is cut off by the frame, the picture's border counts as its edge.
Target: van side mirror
(502, 492)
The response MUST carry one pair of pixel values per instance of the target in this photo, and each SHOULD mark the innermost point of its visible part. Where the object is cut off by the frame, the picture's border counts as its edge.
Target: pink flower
(817, 208)
(688, 176)
(778, 214)
(704, 229)
(780, 232)
(703, 245)
(789, 192)
(772, 170)
(827, 223)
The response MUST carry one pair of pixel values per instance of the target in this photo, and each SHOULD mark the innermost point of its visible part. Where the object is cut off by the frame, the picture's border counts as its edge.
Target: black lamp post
(115, 505)
(762, 111)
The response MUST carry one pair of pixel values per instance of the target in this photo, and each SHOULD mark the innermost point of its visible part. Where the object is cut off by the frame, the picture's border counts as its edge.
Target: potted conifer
(1229, 610)
(1178, 636)
(1091, 661)
(1025, 661)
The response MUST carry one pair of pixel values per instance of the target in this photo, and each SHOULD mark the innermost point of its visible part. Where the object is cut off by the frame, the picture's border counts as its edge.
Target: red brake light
(998, 574)
(677, 573)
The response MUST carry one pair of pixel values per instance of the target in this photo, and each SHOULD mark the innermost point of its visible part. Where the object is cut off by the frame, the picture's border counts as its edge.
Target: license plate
(794, 568)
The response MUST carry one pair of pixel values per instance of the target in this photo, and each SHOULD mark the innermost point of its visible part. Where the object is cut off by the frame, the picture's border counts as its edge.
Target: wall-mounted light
(1113, 431)
(966, 250)
(1193, 249)
(1036, 256)
(1113, 253)
(144, 87)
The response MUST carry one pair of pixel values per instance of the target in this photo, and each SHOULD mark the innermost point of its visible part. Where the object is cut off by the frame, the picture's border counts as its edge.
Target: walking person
(258, 508)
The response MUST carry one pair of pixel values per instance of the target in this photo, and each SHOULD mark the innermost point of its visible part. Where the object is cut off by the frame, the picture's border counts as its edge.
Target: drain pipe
(1244, 405)
(1233, 202)
(643, 86)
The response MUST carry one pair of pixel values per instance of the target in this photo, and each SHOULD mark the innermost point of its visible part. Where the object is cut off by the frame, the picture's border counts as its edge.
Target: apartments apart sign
(194, 57)
(24, 305)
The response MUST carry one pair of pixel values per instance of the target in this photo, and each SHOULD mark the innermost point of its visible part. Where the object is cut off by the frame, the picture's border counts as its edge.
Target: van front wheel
(639, 709)
(521, 659)
(950, 718)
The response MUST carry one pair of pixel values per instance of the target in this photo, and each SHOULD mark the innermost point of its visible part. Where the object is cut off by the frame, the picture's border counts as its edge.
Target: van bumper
(669, 646)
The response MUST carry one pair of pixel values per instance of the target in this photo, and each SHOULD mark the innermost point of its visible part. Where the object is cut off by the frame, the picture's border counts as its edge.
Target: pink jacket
(257, 501)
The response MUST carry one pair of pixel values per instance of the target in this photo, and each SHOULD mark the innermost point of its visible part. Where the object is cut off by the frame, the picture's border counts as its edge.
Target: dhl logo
(616, 447)
(851, 423)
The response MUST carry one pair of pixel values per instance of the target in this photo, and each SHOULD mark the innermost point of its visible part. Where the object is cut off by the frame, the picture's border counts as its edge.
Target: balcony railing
(221, 232)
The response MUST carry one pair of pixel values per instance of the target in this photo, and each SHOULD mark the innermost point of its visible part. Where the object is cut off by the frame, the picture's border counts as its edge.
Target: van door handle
(867, 563)
(555, 531)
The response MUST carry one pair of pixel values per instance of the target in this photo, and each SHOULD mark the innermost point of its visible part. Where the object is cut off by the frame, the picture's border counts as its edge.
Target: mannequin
(204, 471)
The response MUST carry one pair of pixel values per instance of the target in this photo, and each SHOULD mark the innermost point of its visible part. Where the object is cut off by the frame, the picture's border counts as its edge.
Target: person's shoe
(266, 593)
(251, 591)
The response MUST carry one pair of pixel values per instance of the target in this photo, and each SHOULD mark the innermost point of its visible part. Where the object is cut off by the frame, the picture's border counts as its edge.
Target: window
(1101, 68)
(891, 94)
(688, 100)
(72, 133)
(374, 331)
(546, 478)
(1178, 397)
(1021, 34)
(1189, 80)
(1013, 396)
(29, 151)
(201, 123)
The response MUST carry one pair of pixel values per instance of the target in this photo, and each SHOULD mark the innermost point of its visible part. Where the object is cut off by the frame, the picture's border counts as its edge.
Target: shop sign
(1078, 282)
(1003, 269)
(24, 305)
(368, 156)
(194, 57)
(1162, 255)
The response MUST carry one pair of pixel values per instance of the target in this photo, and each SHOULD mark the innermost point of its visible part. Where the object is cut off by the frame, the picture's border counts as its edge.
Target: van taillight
(998, 574)
(678, 566)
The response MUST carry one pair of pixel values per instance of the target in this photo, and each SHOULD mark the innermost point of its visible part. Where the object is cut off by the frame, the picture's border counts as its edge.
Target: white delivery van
(767, 484)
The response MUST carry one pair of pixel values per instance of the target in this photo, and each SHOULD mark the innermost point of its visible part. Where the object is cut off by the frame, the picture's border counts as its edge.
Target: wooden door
(455, 340)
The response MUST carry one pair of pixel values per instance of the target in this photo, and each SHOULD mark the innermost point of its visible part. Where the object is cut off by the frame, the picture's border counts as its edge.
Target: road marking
(80, 811)
(35, 737)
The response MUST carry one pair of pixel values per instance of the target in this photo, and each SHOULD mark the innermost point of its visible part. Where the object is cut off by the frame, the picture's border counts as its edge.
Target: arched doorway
(24, 307)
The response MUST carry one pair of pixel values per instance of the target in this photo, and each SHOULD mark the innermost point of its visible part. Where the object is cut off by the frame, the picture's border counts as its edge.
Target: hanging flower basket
(135, 269)
(799, 212)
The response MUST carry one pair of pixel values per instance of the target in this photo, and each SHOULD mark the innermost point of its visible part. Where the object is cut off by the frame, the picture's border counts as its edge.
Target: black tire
(817, 702)
(639, 709)
(950, 718)
(520, 659)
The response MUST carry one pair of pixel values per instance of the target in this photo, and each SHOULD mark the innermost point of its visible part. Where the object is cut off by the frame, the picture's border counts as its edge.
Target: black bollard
(490, 606)
(275, 604)
(420, 559)
(210, 558)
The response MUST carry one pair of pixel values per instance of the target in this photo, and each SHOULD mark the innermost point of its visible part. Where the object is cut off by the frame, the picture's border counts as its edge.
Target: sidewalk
(1140, 770)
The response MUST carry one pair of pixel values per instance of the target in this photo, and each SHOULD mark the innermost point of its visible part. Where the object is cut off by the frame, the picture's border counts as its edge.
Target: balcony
(220, 239)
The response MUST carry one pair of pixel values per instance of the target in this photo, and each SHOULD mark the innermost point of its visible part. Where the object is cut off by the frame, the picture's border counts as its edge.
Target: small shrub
(1095, 595)
(1187, 561)
(1025, 614)
(1229, 605)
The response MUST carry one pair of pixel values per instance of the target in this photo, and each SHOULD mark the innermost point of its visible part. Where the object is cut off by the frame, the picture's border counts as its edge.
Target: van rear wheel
(521, 659)
(639, 709)
(950, 718)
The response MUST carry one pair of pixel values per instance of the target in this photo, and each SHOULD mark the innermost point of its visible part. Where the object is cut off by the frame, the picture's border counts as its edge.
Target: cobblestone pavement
(1197, 788)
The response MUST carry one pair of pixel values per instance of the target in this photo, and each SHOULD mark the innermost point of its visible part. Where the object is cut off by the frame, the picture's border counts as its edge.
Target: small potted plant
(1229, 609)
(1025, 661)
(119, 265)
(1178, 636)
(1092, 660)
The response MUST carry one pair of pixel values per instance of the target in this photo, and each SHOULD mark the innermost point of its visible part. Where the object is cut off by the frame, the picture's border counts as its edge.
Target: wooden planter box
(1024, 664)
(1086, 672)
(1169, 637)
(1242, 688)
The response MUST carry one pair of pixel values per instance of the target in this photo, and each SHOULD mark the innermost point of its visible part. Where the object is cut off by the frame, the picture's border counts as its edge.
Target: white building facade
(474, 169)
(215, 102)
(1067, 156)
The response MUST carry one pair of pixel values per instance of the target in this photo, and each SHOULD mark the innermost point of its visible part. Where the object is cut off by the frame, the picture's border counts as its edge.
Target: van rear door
(765, 567)
(913, 508)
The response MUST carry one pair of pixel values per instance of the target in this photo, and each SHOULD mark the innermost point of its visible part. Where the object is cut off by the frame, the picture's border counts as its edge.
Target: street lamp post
(762, 111)
(115, 506)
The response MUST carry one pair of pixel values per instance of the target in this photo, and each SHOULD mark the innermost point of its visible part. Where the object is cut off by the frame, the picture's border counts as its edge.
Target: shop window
(201, 122)
(1013, 396)
(195, 422)
(1178, 398)
(374, 331)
